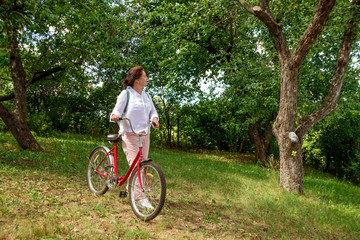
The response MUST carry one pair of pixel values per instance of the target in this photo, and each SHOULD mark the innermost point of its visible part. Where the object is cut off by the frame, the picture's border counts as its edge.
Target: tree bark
(234, 148)
(261, 140)
(242, 142)
(328, 162)
(290, 154)
(291, 165)
(178, 131)
(19, 129)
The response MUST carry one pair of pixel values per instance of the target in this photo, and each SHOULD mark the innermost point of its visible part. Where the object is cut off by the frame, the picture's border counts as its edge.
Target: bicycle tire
(154, 185)
(96, 182)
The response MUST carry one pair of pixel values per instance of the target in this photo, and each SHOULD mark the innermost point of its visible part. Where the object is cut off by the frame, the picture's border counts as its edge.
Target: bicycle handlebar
(139, 134)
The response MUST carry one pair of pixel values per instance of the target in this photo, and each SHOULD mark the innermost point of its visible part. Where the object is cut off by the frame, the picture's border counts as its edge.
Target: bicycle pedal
(123, 194)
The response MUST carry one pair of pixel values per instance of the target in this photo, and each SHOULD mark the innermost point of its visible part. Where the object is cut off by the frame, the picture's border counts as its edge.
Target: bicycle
(146, 179)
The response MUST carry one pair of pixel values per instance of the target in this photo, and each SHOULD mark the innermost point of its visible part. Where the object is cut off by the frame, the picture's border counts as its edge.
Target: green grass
(209, 196)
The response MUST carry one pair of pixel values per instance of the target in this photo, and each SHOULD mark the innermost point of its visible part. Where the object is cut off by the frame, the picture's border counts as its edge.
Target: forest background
(73, 56)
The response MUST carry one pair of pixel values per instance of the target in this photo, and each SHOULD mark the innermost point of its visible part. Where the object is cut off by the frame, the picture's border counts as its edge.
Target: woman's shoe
(144, 203)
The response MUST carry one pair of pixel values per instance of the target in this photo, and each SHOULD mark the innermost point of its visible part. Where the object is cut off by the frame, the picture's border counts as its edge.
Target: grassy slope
(215, 196)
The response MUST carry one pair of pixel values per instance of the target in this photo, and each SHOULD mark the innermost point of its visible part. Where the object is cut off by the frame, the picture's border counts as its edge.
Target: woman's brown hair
(133, 74)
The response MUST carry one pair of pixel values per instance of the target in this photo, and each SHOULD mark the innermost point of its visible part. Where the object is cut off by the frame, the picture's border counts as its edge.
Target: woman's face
(142, 81)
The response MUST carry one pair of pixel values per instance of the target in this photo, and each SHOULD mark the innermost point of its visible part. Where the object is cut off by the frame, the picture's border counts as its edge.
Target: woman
(140, 110)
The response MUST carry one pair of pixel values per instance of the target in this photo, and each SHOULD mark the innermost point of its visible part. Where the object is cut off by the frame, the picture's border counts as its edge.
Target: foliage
(77, 44)
(70, 34)
(41, 124)
(207, 126)
(90, 41)
(83, 110)
(335, 145)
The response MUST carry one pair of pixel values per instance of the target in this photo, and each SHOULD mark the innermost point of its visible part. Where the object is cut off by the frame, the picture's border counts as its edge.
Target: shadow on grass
(211, 219)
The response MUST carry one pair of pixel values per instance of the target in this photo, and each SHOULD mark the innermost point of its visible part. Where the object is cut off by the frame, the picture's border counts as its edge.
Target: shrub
(334, 145)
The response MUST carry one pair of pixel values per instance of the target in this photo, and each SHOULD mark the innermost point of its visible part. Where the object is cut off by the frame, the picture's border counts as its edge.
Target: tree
(40, 39)
(289, 135)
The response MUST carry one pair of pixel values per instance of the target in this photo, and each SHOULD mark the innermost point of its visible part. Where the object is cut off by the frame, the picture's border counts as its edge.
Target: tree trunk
(328, 161)
(242, 142)
(168, 126)
(178, 131)
(16, 121)
(261, 140)
(237, 138)
(168, 130)
(19, 129)
(291, 165)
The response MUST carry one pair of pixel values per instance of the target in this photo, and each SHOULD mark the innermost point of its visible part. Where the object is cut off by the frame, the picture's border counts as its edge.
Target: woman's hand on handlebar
(115, 118)
(155, 123)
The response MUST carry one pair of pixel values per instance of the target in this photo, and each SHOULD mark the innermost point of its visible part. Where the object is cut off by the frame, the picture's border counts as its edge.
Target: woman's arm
(154, 115)
(119, 107)
(155, 122)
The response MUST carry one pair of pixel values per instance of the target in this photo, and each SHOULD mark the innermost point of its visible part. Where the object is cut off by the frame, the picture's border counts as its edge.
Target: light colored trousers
(130, 145)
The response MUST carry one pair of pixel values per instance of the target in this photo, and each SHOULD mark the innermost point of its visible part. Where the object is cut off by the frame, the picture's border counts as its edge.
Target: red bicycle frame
(121, 180)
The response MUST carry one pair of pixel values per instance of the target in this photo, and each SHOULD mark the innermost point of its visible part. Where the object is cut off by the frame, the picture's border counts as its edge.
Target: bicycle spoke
(97, 182)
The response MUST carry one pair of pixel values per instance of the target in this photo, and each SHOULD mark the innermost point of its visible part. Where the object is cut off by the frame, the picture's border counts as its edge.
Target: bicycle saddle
(114, 137)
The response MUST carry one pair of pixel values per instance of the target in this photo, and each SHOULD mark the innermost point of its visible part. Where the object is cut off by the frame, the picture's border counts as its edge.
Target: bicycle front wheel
(97, 183)
(147, 203)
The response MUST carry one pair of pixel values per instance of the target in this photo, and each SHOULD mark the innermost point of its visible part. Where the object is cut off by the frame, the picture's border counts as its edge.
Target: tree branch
(264, 14)
(5, 114)
(41, 75)
(37, 77)
(231, 40)
(313, 31)
(7, 97)
(246, 6)
(34, 68)
(264, 4)
(330, 102)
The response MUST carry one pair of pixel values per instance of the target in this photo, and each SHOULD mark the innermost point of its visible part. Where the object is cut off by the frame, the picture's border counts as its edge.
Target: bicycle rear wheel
(147, 204)
(96, 182)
